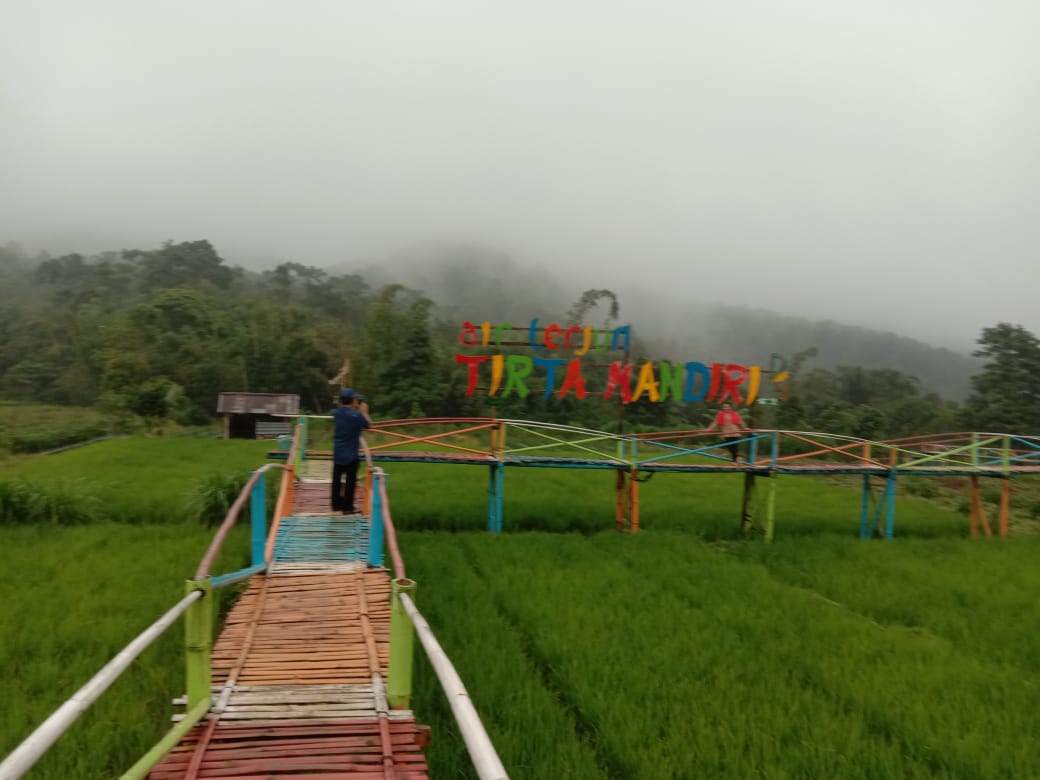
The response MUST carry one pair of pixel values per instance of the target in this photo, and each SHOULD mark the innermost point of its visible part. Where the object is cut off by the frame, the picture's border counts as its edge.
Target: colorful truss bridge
(311, 676)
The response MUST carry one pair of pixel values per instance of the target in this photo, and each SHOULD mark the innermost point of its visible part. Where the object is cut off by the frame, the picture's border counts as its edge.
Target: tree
(1006, 397)
(588, 300)
(186, 264)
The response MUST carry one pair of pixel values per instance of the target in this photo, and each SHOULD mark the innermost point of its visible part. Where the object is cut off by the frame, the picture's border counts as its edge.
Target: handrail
(36, 744)
(388, 527)
(481, 750)
(231, 518)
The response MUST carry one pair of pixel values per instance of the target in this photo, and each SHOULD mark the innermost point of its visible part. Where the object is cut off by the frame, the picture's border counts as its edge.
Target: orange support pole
(1005, 503)
(633, 503)
(978, 510)
(619, 511)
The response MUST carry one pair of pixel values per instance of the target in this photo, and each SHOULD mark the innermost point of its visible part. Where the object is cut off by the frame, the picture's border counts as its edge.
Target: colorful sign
(661, 380)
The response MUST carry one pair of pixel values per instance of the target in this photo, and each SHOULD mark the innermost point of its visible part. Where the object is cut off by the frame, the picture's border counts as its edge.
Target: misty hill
(477, 284)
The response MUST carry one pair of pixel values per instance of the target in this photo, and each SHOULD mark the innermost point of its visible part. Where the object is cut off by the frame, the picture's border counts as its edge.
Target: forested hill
(469, 283)
(160, 332)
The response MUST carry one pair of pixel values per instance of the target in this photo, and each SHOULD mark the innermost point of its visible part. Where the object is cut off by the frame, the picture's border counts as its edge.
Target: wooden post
(864, 513)
(973, 484)
(770, 506)
(745, 509)
(1005, 504)
(633, 502)
(619, 509)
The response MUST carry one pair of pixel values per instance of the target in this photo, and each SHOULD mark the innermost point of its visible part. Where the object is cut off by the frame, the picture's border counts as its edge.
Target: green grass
(679, 652)
(73, 598)
(668, 657)
(27, 428)
(139, 479)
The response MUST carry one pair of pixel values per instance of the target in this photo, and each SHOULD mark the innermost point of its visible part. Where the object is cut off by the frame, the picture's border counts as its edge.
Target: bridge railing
(405, 622)
(198, 608)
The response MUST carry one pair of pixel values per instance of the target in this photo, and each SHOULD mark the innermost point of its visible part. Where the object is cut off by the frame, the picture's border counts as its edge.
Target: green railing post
(301, 456)
(975, 450)
(402, 642)
(198, 642)
(770, 506)
(1007, 455)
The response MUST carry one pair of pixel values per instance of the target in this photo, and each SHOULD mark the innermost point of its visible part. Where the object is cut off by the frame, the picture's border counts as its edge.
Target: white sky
(873, 162)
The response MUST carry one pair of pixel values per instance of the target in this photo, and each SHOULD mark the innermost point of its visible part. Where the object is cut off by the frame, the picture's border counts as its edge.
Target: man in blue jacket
(349, 418)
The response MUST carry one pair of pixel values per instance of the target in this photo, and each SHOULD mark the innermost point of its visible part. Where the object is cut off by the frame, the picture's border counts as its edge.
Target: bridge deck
(298, 670)
(807, 467)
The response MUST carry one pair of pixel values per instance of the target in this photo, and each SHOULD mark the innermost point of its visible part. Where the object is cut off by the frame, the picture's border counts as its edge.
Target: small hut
(253, 415)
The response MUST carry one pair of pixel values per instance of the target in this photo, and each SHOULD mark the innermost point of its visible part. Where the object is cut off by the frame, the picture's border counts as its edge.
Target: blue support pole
(753, 449)
(375, 522)
(775, 451)
(499, 493)
(864, 514)
(891, 497)
(258, 520)
(492, 496)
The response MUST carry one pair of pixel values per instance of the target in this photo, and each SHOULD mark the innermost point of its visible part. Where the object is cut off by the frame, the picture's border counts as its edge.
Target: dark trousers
(733, 445)
(344, 499)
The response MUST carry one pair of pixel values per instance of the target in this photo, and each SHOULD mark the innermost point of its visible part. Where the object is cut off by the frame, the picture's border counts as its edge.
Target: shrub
(60, 503)
(919, 486)
(213, 496)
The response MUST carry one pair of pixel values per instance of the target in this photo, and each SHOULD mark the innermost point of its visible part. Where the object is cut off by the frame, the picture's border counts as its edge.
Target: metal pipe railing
(36, 744)
(481, 750)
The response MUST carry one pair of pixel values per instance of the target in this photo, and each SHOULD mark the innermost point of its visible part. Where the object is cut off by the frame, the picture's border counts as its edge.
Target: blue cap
(346, 394)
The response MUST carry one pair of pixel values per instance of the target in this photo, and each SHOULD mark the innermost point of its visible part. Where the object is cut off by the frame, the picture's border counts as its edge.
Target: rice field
(663, 656)
(682, 651)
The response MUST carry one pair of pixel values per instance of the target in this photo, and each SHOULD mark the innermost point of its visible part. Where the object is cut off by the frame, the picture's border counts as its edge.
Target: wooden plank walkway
(298, 671)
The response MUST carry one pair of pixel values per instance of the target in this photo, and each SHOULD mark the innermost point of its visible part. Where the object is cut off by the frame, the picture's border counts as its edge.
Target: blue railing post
(499, 493)
(492, 496)
(864, 513)
(753, 454)
(775, 451)
(891, 500)
(258, 519)
(375, 522)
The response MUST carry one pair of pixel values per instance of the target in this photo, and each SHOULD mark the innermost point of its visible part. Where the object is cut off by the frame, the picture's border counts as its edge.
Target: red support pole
(619, 511)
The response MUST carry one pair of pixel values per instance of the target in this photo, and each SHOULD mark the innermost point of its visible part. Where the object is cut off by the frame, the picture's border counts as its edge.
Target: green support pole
(198, 642)
(402, 643)
(770, 506)
(745, 508)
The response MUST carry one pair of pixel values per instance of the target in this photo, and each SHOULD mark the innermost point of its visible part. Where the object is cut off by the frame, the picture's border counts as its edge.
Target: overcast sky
(870, 162)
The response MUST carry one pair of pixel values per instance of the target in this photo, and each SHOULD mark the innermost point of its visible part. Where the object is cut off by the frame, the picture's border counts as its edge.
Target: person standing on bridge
(731, 425)
(349, 418)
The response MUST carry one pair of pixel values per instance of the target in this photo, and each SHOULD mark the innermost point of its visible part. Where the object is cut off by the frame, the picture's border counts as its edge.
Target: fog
(872, 163)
